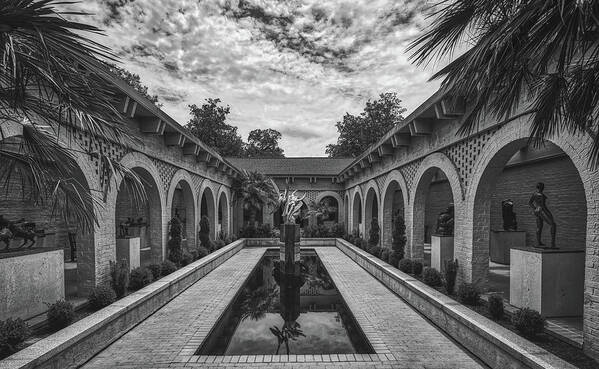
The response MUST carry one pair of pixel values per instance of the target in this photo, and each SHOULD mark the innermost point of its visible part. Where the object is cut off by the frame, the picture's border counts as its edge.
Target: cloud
(296, 66)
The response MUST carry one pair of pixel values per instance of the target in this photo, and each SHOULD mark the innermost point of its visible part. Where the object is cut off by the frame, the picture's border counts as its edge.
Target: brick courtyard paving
(400, 336)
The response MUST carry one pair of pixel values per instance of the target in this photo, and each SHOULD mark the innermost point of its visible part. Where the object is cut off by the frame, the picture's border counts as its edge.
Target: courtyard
(459, 231)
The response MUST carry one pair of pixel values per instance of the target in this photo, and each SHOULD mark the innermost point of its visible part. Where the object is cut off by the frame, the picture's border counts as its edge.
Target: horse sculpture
(19, 229)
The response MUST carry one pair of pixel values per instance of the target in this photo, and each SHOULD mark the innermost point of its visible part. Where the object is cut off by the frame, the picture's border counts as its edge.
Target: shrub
(140, 277)
(102, 296)
(156, 270)
(394, 258)
(385, 255)
(338, 230)
(119, 273)
(432, 277)
(360, 242)
(60, 314)
(376, 251)
(399, 236)
(13, 332)
(167, 267)
(417, 267)
(468, 294)
(528, 322)
(175, 251)
(202, 251)
(496, 307)
(187, 259)
(451, 271)
(375, 233)
(204, 233)
(405, 265)
(219, 244)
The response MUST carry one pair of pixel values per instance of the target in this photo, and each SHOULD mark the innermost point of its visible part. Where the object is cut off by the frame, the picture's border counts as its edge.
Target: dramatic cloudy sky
(296, 66)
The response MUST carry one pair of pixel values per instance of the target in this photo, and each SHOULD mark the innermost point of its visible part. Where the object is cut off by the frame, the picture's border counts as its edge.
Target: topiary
(394, 259)
(375, 251)
(119, 273)
(405, 265)
(451, 271)
(167, 267)
(417, 267)
(13, 332)
(468, 294)
(528, 322)
(175, 251)
(102, 296)
(202, 251)
(496, 307)
(375, 233)
(432, 277)
(60, 314)
(399, 235)
(385, 254)
(156, 270)
(204, 233)
(140, 277)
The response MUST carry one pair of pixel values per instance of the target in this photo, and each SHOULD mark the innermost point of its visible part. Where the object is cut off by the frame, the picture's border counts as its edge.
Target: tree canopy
(264, 143)
(357, 132)
(532, 58)
(134, 81)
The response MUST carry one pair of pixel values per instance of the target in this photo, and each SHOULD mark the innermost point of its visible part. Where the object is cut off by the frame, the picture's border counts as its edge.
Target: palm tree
(53, 80)
(535, 58)
(255, 191)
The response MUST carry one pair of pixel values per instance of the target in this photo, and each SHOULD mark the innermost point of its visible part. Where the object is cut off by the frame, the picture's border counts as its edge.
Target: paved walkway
(400, 336)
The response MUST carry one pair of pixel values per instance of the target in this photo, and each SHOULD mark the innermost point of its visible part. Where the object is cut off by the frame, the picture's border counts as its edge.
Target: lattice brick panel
(465, 153)
(380, 182)
(409, 172)
(166, 172)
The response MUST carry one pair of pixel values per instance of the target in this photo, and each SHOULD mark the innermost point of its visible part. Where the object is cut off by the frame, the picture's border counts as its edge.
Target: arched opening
(138, 227)
(433, 196)
(393, 207)
(512, 174)
(357, 214)
(330, 216)
(371, 211)
(183, 208)
(207, 209)
(223, 215)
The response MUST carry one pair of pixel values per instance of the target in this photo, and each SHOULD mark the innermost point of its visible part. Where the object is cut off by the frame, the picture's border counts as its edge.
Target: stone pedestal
(441, 251)
(290, 250)
(141, 232)
(502, 241)
(128, 249)
(548, 281)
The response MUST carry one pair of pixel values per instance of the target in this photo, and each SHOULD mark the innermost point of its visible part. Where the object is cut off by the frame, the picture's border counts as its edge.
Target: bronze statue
(445, 222)
(509, 217)
(124, 227)
(538, 202)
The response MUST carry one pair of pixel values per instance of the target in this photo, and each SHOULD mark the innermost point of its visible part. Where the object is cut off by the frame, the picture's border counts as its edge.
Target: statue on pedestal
(445, 222)
(538, 202)
(509, 217)
(124, 227)
(5, 233)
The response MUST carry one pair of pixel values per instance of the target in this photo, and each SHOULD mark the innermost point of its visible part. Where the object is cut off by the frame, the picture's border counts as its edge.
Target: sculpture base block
(441, 251)
(128, 249)
(502, 241)
(550, 281)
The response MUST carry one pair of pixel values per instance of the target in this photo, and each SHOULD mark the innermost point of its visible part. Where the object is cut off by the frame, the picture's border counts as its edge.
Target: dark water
(274, 314)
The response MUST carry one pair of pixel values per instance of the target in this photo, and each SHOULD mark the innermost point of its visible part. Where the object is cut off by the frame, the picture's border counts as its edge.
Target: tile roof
(310, 166)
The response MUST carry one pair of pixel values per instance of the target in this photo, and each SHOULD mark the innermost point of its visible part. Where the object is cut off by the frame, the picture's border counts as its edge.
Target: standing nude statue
(538, 202)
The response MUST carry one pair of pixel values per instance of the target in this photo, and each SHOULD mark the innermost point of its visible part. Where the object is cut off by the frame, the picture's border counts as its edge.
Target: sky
(296, 66)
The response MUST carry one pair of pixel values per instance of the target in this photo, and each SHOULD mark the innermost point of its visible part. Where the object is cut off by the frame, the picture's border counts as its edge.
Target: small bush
(156, 270)
(468, 294)
(528, 322)
(451, 271)
(175, 250)
(375, 233)
(187, 259)
(394, 258)
(360, 242)
(432, 277)
(417, 267)
(140, 277)
(167, 267)
(102, 296)
(119, 273)
(218, 244)
(385, 255)
(13, 332)
(405, 265)
(202, 251)
(376, 251)
(496, 307)
(60, 314)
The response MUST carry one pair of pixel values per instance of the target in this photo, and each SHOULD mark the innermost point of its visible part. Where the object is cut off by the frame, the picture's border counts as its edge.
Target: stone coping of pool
(77, 343)
(13, 253)
(495, 345)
